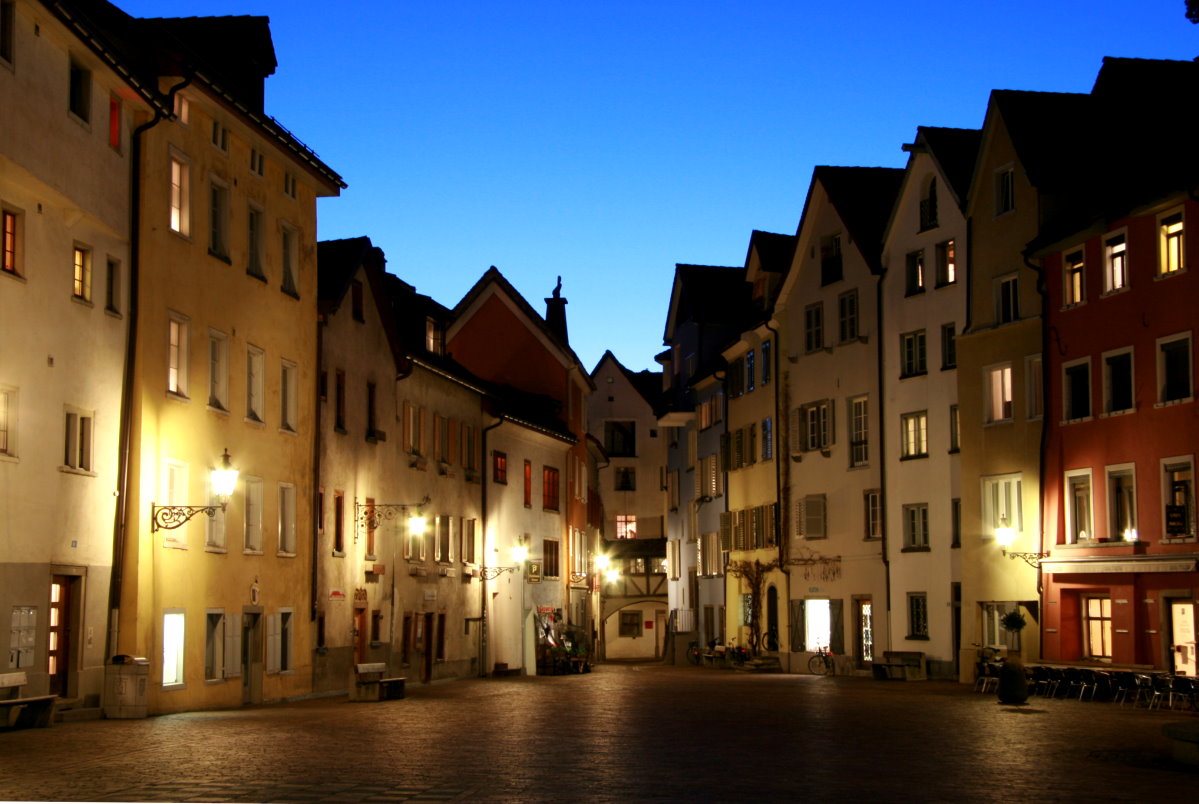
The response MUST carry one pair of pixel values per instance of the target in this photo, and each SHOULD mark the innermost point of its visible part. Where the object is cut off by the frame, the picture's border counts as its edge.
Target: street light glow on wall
(223, 480)
(1005, 535)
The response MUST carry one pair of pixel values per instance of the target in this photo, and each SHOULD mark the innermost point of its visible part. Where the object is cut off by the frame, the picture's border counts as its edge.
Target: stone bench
(370, 685)
(34, 711)
(904, 665)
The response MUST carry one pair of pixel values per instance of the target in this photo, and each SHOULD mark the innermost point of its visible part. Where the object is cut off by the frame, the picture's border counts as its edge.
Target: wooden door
(58, 647)
(359, 636)
(427, 642)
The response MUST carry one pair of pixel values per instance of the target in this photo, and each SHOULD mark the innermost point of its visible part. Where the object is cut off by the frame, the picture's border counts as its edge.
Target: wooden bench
(904, 665)
(35, 711)
(391, 689)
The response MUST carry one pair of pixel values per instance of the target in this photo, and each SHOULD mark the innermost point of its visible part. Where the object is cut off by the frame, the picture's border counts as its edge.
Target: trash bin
(125, 682)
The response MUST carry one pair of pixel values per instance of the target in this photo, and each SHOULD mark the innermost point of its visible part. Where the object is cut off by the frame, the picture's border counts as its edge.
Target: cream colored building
(225, 361)
(65, 307)
(830, 341)
(923, 303)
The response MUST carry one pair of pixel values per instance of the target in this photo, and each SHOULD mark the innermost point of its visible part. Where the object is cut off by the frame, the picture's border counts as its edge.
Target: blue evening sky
(607, 141)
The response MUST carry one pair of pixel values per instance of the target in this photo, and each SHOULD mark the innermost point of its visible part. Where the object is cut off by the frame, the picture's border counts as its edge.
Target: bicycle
(822, 663)
(693, 654)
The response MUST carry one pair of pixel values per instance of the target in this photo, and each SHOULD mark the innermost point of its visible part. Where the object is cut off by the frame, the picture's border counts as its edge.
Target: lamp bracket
(369, 515)
(491, 573)
(1032, 559)
(169, 517)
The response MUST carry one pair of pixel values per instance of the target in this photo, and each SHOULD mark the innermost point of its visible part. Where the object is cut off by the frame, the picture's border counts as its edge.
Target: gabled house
(535, 510)
(709, 307)
(1119, 575)
(622, 417)
(923, 308)
(835, 581)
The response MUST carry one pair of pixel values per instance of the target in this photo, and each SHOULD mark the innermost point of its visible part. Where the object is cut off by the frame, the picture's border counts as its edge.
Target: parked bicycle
(822, 663)
(693, 653)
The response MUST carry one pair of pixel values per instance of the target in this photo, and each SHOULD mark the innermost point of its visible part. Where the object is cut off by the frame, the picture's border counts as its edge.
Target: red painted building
(1122, 432)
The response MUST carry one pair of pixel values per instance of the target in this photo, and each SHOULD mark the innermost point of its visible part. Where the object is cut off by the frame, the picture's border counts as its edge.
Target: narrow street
(624, 732)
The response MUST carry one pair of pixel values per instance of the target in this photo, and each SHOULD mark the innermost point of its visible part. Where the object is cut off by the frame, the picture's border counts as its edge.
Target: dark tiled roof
(863, 198)
(775, 251)
(336, 263)
(709, 294)
(955, 151)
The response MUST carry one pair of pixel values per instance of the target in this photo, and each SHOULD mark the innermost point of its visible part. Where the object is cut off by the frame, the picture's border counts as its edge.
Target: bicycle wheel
(817, 666)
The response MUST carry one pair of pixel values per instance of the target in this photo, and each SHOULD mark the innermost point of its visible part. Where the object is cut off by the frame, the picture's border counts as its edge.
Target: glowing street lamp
(223, 481)
(1005, 535)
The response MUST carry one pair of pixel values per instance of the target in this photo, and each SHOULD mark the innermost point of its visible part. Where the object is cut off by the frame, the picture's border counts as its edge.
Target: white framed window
(1076, 390)
(1078, 511)
(1115, 262)
(218, 370)
(287, 519)
(1174, 373)
(12, 232)
(859, 431)
(913, 429)
(178, 335)
(914, 273)
(626, 526)
(1118, 381)
(434, 336)
(182, 109)
(813, 316)
(77, 446)
(912, 354)
(1005, 190)
(81, 273)
(8, 421)
(1002, 505)
(812, 516)
(1007, 299)
(252, 539)
(997, 382)
(279, 641)
(174, 625)
(915, 526)
(847, 322)
(1178, 496)
(1122, 502)
(218, 219)
(288, 395)
(255, 379)
(947, 269)
(22, 639)
(289, 254)
(949, 346)
(214, 537)
(173, 491)
(1074, 278)
(917, 615)
(443, 527)
(469, 548)
(816, 419)
(180, 199)
(1034, 385)
(1171, 255)
(255, 223)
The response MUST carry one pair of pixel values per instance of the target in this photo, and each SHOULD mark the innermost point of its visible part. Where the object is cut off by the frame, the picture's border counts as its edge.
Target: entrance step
(763, 664)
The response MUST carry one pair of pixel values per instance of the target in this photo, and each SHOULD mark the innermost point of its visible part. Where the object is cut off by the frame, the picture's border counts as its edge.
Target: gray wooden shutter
(836, 610)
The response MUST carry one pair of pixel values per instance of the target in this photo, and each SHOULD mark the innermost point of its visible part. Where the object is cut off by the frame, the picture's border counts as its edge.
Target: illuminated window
(1122, 503)
(182, 110)
(626, 526)
(1001, 504)
(434, 337)
(1097, 627)
(999, 393)
(528, 487)
(468, 536)
(947, 268)
(214, 537)
(499, 467)
(173, 624)
(180, 195)
(9, 255)
(1115, 263)
(1178, 494)
(1078, 507)
(1073, 278)
(1172, 256)
(914, 433)
(81, 287)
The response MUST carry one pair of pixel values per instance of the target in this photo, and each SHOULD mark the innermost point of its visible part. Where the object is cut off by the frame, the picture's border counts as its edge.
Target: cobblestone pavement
(623, 733)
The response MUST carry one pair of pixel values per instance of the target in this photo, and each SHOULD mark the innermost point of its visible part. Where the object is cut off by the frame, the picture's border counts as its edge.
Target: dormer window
(434, 337)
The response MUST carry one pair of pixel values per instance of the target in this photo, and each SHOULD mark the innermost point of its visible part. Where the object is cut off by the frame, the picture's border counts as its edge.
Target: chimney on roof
(555, 313)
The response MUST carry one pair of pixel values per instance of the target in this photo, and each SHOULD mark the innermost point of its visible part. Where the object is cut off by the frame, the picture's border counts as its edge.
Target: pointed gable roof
(863, 198)
(647, 384)
(708, 295)
(954, 150)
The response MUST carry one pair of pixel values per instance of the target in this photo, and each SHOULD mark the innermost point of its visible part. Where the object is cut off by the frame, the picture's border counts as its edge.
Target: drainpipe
(483, 635)
(1043, 292)
(122, 513)
(313, 580)
(882, 444)
(780, 460)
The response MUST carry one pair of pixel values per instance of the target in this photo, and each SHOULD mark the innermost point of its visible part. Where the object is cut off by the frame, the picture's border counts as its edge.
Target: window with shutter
(814, 524)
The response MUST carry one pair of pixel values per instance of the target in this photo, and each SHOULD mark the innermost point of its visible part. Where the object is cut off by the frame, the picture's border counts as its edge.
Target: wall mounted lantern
(223, 480)
(1005, 535)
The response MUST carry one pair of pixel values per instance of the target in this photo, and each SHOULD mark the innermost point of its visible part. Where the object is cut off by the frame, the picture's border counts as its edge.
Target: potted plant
(1013, 683)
